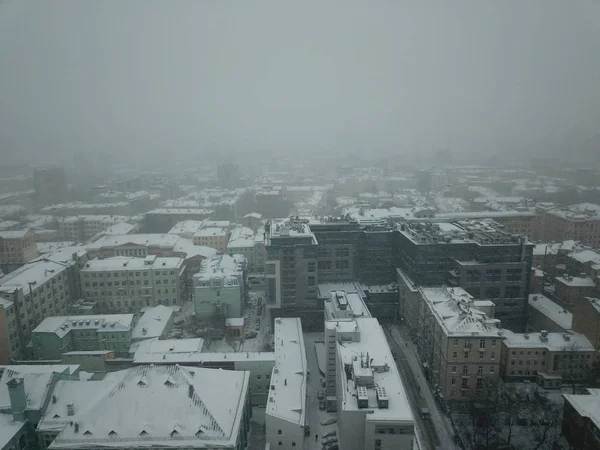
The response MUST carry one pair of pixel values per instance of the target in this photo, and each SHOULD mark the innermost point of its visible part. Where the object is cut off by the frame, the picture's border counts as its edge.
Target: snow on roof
(241, 237)
(14, 234)
(117, 263)
(552, 342)
(585, 256)
(234, 322)
(62, 325)
(595, 302)
(553, 311)
(186, 227)
(212, 231)
(5, 303)
(191, 412)
(190, 211)
(342, 304)
(37, 273)
(153, 322)
(382, 367)
(64, 255)
(119, 229)
(36, 386)
(454, 310)
(324, 289)
(290, 228)
(187, 246)
(159, 240)
(586, 405)
(253, 215)
(576, 281)
(287, 396)
(8, 429)
(581, 211)
(66, 369)
(49, 247)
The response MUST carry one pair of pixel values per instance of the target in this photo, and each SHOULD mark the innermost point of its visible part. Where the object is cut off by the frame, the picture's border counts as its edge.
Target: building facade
(16, 248)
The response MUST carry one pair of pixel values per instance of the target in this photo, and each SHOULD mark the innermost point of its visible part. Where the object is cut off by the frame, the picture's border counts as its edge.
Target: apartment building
(247, 242)
(544, 314)
(138, 245)
(219, 286)
(285, 415)
(568, 289)
(579, 222)
(33, 292)
(586, 320)
(458, 341)
(523, 223)
(62, 334)
(581, 420)
(149, 407)
(216, 238)
(372, 408)
(291, 249)
(128, 284)
(475, 255)
(84, 227)
(548, 357)
(16, 248)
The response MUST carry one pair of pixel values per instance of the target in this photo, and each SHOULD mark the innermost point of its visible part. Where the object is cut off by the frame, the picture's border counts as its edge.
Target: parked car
(330, 434)
(329, 421)
(320, 394)
(250, 334)
(322, 405)
(329, 440)
(331, 447)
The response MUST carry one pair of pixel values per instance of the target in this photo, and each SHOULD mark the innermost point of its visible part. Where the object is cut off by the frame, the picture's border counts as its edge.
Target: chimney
(18, 399)
(70, 409)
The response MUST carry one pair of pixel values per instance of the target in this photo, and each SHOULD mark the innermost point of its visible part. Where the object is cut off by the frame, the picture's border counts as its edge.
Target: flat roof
(212, 231)
(382, 367)
(159, 240)
(117, 263)
(37, 272)
(287, 396)
(576, 281)
(153, 323)
(586, 405)
(186, 226)
(553, 311)
(554, 342)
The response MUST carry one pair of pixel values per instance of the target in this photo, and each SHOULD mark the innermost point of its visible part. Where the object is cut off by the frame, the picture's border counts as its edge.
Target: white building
(155, 323)
(213, 237)
(84, 227)
(129, 284)
(285, 417)
(219, 286)
(373, 410)
(247, 242)
(186, 228)
(150, 407)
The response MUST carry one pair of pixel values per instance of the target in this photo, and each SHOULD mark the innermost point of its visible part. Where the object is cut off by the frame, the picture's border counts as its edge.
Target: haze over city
(140, 78)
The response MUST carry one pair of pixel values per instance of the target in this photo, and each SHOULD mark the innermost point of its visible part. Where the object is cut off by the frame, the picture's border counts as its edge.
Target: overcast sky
(150, 77)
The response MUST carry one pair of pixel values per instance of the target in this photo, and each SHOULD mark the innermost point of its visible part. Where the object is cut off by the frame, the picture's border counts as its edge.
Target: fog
(146, 78)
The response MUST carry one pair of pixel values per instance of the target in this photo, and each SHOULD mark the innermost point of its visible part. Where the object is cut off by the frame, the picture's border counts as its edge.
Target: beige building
(544, 314)
(586, 320)
(30, 294)
(216, 238)
(546, 355)
(568, 289)
(123, 284)
(16, 248)
(458, 343)
(580, 222)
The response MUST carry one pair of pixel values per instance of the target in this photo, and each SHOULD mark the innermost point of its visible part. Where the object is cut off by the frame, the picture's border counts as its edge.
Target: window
(465, 370)
(466, 355)
(479, 383)
(482, 344)
(455, 355)
(377, 444)
(493, 356)
(463, 383)
(492, 369)
(480, 370)
(481, 355)
(455, 342)
(453, 369)
(453, 381)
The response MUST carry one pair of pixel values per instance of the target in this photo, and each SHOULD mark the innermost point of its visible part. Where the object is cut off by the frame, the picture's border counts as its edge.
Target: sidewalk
(440, 421)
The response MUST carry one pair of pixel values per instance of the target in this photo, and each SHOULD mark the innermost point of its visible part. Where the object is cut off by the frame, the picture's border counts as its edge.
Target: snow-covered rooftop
(455, 311)
(36, 386)
(343, 304)
(61, 325)
(241, 237)
(118, 263)
(576, 281)
(287, 396)
(13, 234)
(371, 357)
(153, 322)
(553, 311)
(579, 212)
(158, 240)
(552, 342)
(586, 405)
(156, 406)
(36, 273)
(187, 246)
(210, 232)
(186, 227)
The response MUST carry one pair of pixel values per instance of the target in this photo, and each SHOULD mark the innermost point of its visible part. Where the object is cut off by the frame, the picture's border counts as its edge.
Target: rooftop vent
(382, 398)
(362, 397)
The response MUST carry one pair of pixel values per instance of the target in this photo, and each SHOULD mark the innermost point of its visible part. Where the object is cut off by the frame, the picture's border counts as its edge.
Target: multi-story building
(578, 222)
(544, 314)
(285, 416)
(84, 227)
(186, 228)
(50, 186)
(219, 286)
(581, 420)
(245, 241)
(127, 284)
(477, 256)
(372, 408)
(167, 406)
(33, 292)
(291, 261)
(139, 245)
(161, 220)
(549, 357)
(61, 334)
(16, 248)
(216, 238)
(523, 223)
(568, 289)
(458, 342)
(586, 320)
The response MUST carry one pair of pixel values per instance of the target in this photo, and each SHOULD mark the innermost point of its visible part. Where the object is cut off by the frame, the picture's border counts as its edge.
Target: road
(436, 431)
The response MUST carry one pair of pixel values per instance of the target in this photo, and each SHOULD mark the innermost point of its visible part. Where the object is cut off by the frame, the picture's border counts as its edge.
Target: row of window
(481, 355)
(465, 370)
(125, 273)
